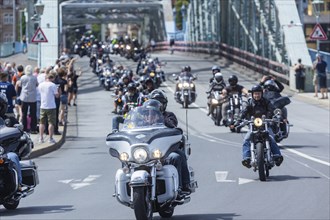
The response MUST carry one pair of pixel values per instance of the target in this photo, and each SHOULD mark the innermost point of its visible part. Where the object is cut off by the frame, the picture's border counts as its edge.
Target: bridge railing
(254, 62)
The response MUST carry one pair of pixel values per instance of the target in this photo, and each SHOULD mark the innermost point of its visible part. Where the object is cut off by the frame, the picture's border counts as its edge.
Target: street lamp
(183, 13)
(317, 11)
(39, 8)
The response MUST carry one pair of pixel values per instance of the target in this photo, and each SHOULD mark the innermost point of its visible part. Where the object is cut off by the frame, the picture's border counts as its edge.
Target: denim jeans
(179, 160)
(116, 121)
(247, 142)
(13, 157)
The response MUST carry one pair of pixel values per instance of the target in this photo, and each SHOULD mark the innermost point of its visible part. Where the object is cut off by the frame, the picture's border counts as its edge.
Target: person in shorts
(48, 92)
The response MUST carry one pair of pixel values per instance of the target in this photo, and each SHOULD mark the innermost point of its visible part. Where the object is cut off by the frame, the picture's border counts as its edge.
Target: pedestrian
(48, 91)
(300, 76)
(24, 44)
(9, 71)
(152, 44)
(320, 66)
(73, 76)
(172, 42)
(8, 89)
(28, 96)
(62, 76)
(18, 104)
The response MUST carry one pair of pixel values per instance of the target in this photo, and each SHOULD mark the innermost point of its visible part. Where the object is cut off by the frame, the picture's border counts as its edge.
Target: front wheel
(218, 116)
(11, 205)
(142, 203)
(185, 101)
(261, 162)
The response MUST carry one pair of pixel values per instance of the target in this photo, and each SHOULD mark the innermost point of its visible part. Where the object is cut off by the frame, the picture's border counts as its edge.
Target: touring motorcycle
(14, 139)
(261, 156)
(185, 93)
(145, 183)
(216, 106)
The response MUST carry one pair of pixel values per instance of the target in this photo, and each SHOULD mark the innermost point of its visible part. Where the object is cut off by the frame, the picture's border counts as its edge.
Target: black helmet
(218, 77)
(270, 85)
(160, 96)
(256, 88)
(3, 104)
(131, 86)
(216, 69)
(187, 68)
(233, 80)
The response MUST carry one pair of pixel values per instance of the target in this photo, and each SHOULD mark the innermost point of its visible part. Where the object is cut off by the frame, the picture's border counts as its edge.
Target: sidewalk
(39, 148)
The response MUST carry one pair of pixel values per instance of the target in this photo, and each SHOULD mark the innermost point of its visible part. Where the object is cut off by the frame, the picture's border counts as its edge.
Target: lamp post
(317, 11)
(39, 8)
(183, 13)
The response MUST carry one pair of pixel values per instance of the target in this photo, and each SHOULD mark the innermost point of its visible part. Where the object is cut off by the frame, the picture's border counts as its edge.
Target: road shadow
(220, 216)
(33, 210)
(300, 146)
(280, 178)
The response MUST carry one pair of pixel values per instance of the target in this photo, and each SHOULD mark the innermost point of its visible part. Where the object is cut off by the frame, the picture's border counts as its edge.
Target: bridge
(266, 36)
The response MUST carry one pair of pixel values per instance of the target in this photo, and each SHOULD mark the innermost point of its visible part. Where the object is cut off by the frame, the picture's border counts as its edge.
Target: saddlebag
(29, 173)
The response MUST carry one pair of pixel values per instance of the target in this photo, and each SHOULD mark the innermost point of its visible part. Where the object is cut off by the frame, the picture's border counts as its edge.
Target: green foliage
(178, 17)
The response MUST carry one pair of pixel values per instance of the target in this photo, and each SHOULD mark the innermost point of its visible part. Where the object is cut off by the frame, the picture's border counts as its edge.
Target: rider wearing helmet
(215, 69)
(232, 88)
(149, 86)
(257, 106)
(177, 157)
(217, 84)
(186, 71)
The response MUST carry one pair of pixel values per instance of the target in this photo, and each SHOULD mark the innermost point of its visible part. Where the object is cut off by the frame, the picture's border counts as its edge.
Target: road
(77, 181)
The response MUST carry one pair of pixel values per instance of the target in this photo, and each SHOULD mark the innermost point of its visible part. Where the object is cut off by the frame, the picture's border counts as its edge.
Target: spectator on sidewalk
(300, 76)
(24, 49)
(72, 83)
(62, 73)
(320, 66)
(8, 89)
(18, 103)
(48, 91)
(9, 71)
(28, 96)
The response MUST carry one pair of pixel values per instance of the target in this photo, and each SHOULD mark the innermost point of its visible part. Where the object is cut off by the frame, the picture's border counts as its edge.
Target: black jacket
(170, 119)
(258, 108)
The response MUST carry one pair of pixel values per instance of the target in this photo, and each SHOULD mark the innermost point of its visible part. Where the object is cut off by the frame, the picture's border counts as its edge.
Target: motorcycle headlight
(157, 154)
(82, 47)
(2, 150)
(180, 85)
(123, 156)
(152, 74)
(192, 85)
(140, 155)
(116, 45)
(100, 61)
(128, 47)
(185, 85)
(214, 101)
(257, 122)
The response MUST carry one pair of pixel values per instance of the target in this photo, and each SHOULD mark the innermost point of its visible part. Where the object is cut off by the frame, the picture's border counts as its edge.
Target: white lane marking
(305, 155)
(243, 181)
(235, 144)
(221, 176)
(78, 183)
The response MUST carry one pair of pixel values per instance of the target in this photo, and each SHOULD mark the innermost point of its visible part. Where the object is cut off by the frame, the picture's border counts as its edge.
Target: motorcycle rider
(121, 88)
(233, 88)
(178, 157)
(10, 122)
(131, 96)
(149, 86)
(258, 106)
(217, 84)
(215, 69)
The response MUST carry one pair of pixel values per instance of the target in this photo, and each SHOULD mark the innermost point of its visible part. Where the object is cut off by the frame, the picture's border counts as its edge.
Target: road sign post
(39, 37)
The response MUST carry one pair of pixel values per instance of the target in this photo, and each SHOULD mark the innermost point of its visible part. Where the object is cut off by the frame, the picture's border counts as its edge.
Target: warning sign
(39, 37)
(318, 33)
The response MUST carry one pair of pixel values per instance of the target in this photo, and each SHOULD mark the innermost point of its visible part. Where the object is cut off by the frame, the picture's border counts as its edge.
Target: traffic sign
(318, 33)
(39, 37)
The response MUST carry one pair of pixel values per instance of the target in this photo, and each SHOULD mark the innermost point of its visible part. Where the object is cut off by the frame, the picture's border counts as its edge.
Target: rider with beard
(233, 88)
(10, 122)
(176, 158)
(257, 106)
(217, 84)
(131, 96)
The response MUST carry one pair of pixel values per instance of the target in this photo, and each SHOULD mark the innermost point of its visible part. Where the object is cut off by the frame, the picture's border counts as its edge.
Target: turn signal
(2, 161)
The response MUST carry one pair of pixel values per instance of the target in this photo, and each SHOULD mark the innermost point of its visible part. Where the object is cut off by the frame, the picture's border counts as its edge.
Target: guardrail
(8, 49)
(254, 62)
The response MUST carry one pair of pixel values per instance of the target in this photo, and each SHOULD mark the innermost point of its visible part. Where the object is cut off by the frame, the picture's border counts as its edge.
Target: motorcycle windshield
(143, 118)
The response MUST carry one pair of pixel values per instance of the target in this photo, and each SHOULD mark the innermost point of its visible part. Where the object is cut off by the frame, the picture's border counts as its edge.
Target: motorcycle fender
(139, 178)
(169, 176)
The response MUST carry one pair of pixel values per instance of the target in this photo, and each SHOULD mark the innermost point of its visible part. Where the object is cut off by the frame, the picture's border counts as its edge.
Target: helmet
(131, 86)
(218, 77)
(216, 69)
(152, 103)
(160, 96)
(187, 68)
(233, 80)
(256, 88)
(270, 85)
(3, 104)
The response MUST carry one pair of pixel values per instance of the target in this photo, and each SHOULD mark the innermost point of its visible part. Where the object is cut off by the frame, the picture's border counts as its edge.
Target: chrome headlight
(123, 156)
(186, 85)
(140, 155)
(192, 85)
(157, 154)
(180, 85)
(128, 47)
(257, 122)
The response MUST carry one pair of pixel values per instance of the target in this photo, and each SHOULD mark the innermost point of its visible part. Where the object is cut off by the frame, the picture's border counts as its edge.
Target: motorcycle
(261, 156)
(185, 90)
(233, 113)
(14, 139)
(216, 105)
(145, 183)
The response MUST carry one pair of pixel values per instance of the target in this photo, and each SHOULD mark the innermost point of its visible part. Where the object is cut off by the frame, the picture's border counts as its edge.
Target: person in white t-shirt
(48, 91)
